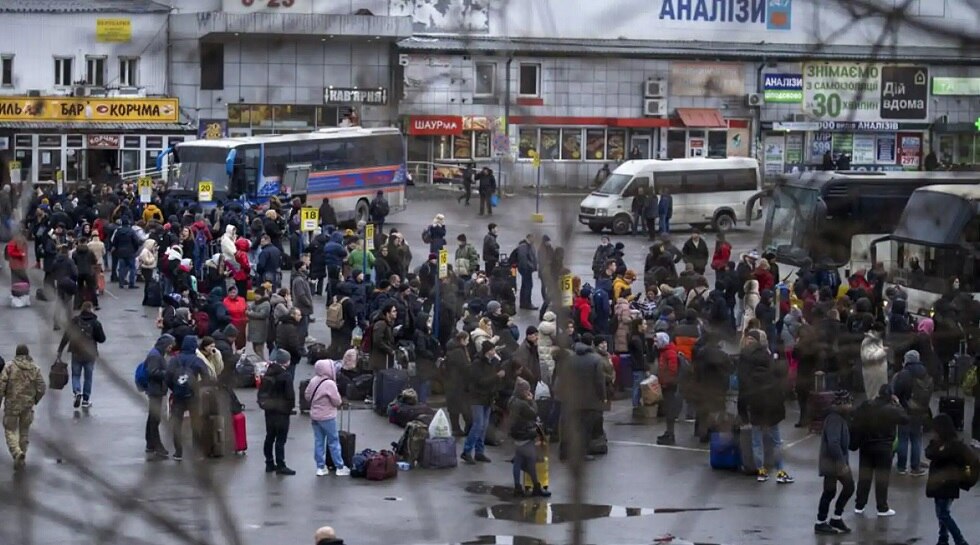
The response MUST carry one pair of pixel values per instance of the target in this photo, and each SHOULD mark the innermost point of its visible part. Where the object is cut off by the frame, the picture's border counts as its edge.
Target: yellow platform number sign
(567, 294)
(443, 263)
(205, 191)
(310, 217)
(145, 185)
(369, 236)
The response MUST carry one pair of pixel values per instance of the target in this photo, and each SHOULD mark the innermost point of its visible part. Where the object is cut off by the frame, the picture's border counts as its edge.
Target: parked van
(705, 192)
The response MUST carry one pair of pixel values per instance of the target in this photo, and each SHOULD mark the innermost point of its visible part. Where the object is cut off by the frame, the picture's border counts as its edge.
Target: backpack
(380, 207)
(200, 243)
(142, 377)
(335, 313)
(202, 321)
(698, 303)
(267, 398)
(86, 327)
(366, 340)
(409, 448)
(183, 386)
(427, 235)
(971, 472)
(921, 395)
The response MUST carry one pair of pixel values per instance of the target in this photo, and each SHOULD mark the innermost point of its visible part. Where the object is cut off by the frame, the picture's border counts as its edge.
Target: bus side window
(333, 155)
(670, 181)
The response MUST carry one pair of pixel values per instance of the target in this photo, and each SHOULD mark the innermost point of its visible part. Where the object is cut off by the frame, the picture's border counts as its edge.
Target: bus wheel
(362, 212)
(622, 225)
(595, 227)
(724, 222)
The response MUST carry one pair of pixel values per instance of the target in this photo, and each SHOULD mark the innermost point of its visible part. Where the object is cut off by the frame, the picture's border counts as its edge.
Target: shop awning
(94, 126)
(702, 118)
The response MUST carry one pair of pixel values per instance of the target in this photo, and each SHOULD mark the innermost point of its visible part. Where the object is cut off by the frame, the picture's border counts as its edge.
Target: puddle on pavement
(536, 512)
(500, 492)
(505, 540)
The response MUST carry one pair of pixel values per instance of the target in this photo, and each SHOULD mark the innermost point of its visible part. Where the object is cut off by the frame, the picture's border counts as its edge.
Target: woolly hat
(912, 356)
(493, 307)
(280, 356)
(350, 359)
(662, 339)
(521, 387)
(487, 347)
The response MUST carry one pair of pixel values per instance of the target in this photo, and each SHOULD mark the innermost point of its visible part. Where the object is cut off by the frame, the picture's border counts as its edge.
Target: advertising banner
(853, 91)
(147, 110)
(783, 88)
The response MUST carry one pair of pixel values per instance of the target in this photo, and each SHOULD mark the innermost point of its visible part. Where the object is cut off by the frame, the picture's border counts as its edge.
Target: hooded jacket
(276, 393)
(904, 382)
(322, 392)
(81, 346)
(334, 252)
(623, 315)
(751, 301)
(874, 363)
(148, 256)
(228, 246)
(949, 457)
(21, 386)
(156, 367)
(236, 311)
(302, 295)
(582, 379)
(547, 340)
(258, 314)
(185, 371)
(85, 261)
(835, 444)
(269, 260)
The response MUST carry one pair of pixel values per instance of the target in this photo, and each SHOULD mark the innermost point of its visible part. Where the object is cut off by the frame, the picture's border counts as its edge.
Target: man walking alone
(21, 388)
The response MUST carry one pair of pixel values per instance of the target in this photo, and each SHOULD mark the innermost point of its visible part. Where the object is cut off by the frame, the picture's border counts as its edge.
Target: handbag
(58, 375)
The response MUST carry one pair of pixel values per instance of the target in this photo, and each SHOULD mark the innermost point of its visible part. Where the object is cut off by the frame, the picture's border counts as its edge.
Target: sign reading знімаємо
(774, 14)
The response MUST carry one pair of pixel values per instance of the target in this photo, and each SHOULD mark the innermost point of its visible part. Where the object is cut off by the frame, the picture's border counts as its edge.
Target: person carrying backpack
(379, 210)
(82, 339)
(913, 387)
(948, 475)
(155, 366)
(185, 372)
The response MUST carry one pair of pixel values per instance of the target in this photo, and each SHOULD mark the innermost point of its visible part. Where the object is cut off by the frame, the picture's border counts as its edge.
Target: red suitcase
(241, 436)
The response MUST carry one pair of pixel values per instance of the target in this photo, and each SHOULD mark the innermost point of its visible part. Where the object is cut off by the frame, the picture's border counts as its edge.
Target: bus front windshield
(790, 212)
(199, 164)
(615, 184)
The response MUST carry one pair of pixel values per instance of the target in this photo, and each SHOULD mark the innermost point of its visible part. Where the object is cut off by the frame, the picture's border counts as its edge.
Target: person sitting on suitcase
(325, 399)
(524, 432)
(835, 466)
(277, 398)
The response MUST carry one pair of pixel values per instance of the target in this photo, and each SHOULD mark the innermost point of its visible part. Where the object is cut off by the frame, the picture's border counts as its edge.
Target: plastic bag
(439, 427)
(650, 390)
(494, 200)
(541, 391)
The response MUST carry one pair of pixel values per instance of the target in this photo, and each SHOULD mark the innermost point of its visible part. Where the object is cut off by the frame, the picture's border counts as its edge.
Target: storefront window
(295, 118)
(571, 144)
(676, 144)
(528, 142)
(444, 147)
(481, 144)
(964, 149)
(463, 146)
(550, 144)
(131, 161)
(595, 144)
(718, 144)
(616, 145)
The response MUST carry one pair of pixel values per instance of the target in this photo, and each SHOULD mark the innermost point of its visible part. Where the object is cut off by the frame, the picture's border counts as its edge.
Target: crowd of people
(219, 277)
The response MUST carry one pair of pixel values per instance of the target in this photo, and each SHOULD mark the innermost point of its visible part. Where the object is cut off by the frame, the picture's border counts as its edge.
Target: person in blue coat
(334, 254)
(600, 303)
(665, 210)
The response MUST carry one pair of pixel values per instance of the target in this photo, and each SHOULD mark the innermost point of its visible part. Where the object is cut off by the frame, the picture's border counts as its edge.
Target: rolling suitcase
(241, 433)
(348, 441)
(391, 382)
(952, 403)
(216, 436)
(541, 467)
(304, 404)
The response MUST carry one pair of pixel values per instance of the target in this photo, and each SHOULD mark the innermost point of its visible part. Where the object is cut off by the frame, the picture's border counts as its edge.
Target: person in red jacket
(722, 255)
(236, 307)
(16, 255)
(763, 274)
(243, 272)
(582, 310)
(669, 375)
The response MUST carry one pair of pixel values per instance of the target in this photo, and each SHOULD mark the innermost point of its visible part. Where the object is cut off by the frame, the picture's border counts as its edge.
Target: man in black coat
(487, 187)
(482, 383)
(328, 217)
(875, 422)
(491, 248)
(125, 244)
(291, 338)
(764, 381)
(277, 398)
(467, 184)
(581, 388)
(695, 252)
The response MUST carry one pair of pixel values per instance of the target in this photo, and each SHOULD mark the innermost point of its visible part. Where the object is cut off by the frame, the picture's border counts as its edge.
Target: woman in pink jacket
(325, 399)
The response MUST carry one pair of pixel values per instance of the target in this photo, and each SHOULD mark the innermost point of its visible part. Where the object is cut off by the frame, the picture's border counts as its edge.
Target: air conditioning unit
(754, 100)
(654, 88)
(403, 60)
(130, 92)
(79, 91)
(33, 92)
(654, 107)
(97, 92)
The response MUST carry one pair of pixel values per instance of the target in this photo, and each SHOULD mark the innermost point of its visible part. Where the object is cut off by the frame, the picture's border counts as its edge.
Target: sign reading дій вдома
(774, 14)
(853, 91)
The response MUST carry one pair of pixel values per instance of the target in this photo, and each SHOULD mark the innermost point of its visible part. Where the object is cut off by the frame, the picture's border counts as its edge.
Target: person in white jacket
(325, 399)
(751, 300)
(547, 340)
(874, 361)
(228, 247)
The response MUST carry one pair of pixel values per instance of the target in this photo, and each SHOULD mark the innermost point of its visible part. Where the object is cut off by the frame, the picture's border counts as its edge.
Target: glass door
(640, 146)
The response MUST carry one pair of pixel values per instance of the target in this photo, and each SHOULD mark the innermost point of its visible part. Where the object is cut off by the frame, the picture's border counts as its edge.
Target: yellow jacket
(621, 288)
(151, 212)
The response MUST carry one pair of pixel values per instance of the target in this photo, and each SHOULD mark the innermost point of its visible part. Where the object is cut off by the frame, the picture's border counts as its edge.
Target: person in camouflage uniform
(21, 388)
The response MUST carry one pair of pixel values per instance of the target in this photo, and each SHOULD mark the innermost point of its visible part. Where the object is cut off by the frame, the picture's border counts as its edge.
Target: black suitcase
(391, 382)
(348, 441)
(304, 404)
(952, 403)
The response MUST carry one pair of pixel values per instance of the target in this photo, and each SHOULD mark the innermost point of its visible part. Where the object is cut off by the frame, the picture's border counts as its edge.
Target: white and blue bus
(347, 165)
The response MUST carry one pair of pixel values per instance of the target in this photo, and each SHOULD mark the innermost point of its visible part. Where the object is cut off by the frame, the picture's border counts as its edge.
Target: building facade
(784, 81)
(83, 89)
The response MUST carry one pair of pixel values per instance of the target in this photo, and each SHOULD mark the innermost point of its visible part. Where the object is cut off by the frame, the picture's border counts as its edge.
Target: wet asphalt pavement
(87, 481)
